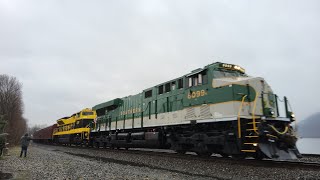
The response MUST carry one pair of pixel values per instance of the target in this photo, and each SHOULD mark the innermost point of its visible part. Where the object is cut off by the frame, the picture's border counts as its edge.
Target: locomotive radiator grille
(205, 111)
(190, 113)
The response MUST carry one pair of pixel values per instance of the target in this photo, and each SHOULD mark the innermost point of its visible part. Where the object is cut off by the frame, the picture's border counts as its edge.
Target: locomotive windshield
(224, 74)
(87, 113)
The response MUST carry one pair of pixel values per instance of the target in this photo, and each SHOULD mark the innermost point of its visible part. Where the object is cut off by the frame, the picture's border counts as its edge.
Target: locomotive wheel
(84, 143)
(224, 155)
(181, 151)
(204, 154)
(203, 150)
(238, 156)
(258, 155)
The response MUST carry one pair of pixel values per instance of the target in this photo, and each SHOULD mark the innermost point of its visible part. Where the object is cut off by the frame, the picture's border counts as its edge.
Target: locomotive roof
(115, 102)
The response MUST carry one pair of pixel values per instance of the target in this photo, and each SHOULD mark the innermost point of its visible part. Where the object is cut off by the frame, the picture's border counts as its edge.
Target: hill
(309, 128)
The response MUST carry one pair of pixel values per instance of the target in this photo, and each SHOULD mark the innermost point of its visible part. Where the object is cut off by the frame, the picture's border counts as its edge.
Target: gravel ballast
(58, 162)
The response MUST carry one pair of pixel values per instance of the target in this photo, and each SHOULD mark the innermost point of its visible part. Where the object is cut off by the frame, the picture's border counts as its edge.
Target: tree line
(11, 108)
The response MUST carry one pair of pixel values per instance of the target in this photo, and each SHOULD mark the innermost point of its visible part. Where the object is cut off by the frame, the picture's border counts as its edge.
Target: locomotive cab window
(227, 74)
(87, 113)
(78, 124)
(198, 79)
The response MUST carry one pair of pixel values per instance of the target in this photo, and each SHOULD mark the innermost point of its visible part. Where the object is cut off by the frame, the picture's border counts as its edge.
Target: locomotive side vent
(205, 111)
(190, 113)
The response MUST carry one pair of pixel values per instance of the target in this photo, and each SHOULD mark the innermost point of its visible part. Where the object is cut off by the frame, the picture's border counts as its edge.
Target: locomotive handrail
(295, 121)
(276, 130)
(239, 121)
(280, 100)
(253, 114)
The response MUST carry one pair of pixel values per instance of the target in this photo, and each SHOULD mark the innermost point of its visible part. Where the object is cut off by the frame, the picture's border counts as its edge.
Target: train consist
(216, 109)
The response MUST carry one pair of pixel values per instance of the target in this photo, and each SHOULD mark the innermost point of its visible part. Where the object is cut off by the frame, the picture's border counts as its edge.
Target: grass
(13, 154)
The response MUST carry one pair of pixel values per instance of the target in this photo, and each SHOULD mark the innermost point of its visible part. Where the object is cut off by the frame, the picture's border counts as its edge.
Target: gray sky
(75, 54)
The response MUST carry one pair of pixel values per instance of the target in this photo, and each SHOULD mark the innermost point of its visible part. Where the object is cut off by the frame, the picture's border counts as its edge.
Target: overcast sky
(75, 54)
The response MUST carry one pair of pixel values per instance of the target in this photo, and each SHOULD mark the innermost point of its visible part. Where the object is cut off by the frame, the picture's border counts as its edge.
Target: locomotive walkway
(58, 162)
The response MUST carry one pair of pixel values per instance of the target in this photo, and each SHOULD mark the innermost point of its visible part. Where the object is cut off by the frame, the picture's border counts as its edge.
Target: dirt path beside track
(45, 162)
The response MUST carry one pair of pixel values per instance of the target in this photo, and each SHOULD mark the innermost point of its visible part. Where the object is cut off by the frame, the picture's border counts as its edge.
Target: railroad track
(287, 164)
(311, 155)
(248, 161)
(293, 164)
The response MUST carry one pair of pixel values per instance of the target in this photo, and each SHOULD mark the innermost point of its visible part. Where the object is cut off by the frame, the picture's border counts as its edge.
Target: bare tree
(35, 128)
(11, 107)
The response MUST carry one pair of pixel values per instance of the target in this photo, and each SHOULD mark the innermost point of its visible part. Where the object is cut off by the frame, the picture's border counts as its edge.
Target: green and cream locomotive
(216, 109)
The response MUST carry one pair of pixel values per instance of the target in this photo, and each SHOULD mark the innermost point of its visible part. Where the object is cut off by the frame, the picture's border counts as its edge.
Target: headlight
(268, 112)
(292, 115)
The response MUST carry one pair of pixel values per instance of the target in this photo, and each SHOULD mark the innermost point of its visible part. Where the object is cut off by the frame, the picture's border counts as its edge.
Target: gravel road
(58, 162)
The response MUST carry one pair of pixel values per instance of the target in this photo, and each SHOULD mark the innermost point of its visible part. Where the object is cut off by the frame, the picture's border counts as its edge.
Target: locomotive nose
(264, 94)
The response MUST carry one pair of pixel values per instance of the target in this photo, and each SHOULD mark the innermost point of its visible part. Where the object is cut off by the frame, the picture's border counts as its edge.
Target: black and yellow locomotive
(74, 129)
